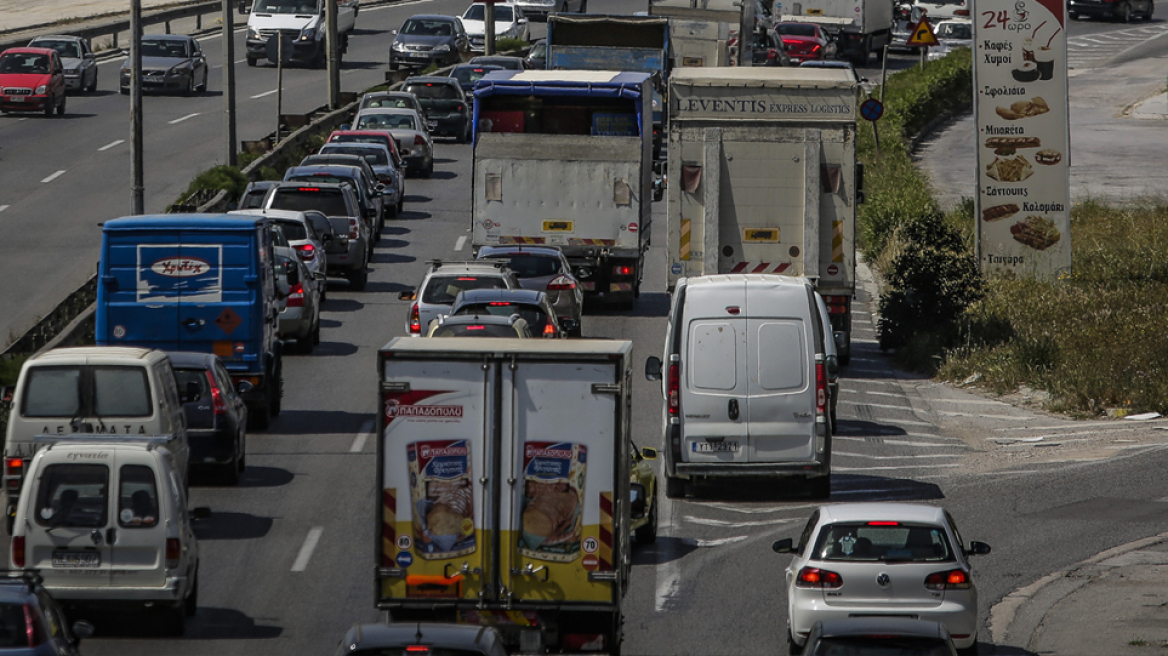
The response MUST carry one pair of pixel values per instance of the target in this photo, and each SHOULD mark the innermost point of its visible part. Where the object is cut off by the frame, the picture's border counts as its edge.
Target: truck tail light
(549, 330)
(14, 474)
(836, 304)
(622, 270)
(296, 295)
(415, 321)
(307, 252)
(954, 579)
(561, 284)
(18, 551)
(813, 577)
(217, 402)
(674, 389)
(354, 228)
(820, 387)
(419, 140)
(173, 552)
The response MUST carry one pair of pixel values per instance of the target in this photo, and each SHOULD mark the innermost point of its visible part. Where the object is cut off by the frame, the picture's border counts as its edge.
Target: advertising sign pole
(1023, 158)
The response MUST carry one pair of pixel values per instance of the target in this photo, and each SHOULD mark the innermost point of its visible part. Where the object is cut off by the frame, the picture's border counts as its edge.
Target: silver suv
(442, 284)
(348, 254)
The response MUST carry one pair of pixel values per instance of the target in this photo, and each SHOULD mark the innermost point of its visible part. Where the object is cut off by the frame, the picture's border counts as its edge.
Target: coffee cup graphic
(1044, 57)
(1028, 50)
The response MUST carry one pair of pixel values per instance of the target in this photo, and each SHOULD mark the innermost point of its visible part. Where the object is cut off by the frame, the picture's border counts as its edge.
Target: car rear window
(433, 90)
(881, 645)
(882, 541)
(791, 29)
(476, 330)
(293, 230)
(394, 103)
(535, 317)
(330, 202)
(253, 199)
(386, 122)
(73, 495)
(531, 266)
(442, 289)
(138, 497)
(121, 392)
(469, 74)
(185, 377)
(374, 156)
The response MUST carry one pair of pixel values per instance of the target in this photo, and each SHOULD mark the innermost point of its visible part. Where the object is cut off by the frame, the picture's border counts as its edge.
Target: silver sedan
(76, 56)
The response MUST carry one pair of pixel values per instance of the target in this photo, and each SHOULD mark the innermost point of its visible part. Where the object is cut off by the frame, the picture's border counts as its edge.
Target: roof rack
(90, 438)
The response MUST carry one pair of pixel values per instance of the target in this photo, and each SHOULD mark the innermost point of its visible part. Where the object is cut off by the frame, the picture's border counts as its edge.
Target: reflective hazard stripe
(685, 230)
(760, 267)
(388, 526)
(620, 287)
(522, 240)
(605, 550)
(591, 242)
(837, 241)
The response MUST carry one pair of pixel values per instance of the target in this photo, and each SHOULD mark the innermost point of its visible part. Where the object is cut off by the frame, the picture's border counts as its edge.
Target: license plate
(83, 559)
(16, 98)
(431, 124)
(714, 447)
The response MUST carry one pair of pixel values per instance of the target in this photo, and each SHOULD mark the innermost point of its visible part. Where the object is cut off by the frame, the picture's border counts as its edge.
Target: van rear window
(138, 497)
(73, 495)
(52, 392)
(120, 392)
(330, 202)
(85, 391)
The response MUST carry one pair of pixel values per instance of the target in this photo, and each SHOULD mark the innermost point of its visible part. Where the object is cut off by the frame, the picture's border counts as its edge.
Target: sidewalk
(23, 14)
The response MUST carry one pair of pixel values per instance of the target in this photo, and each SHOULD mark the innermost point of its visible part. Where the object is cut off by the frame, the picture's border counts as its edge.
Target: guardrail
(115, 27)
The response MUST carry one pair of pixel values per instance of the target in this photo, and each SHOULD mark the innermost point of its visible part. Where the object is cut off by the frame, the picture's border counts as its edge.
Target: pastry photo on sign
(1023, 109)
(1015, 169)
(1035, 231)
(999, 212)
(1010, 145)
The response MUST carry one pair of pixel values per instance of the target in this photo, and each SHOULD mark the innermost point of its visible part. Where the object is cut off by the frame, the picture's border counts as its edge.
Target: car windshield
(882, 541)
(73, 495)
(374, 156)
(536, 319)
(391, 102)
(433, 90)
(329, 202)
(954, 31)
(442, 290)
(426, 27)
(882, 645)
(286, 6)
(503, 13)
(386, 122)
(164, 48)
(795, 29)
(23, 62)
(64, 48)
(469, 74)
(531, 266)
(538, 51)
(476, 330)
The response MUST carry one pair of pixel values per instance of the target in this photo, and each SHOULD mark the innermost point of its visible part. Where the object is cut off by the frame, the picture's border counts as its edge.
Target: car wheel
(49, 107)
(124, 91)
(316, 331)
(647, 534)
(970, 650)
(202, 88)
(61, 107)
(793, 648)
(1125, 12)
(429, 170)
(277, 397)
(190, 90)
(175, 621)
(191, 604)
(675, 488)
(259, 416)
(92, 85)
(1151, 10)
(358, 280)
(251, 61)
(401, 202)
(584, 6)
(232, 470)
(1074, 15)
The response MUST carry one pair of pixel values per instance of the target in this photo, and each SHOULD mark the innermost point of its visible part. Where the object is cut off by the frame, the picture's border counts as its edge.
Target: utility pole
(746, 34)
(280, 38)
(229, 81)
(136, 185)
(489, 27)
(334, 55)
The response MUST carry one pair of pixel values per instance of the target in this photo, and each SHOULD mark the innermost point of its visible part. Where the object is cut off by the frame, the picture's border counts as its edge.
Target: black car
(468, 74)
(422, 639)
(254, 194)
(502, 61)
(447, 111)
(428, 39)
(216, 415)
(31, 624)
(537, 56)
(1121, 10)
(879, 635)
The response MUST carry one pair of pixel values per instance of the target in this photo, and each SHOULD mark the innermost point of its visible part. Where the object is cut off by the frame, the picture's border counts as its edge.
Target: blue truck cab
(197, 282)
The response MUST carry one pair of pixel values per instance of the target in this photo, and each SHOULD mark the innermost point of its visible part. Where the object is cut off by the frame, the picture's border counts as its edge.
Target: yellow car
(644, 495)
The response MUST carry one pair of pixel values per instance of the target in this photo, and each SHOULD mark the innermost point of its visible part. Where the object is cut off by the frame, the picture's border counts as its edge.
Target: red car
(804, 41)
(32, 80)
(369, 136)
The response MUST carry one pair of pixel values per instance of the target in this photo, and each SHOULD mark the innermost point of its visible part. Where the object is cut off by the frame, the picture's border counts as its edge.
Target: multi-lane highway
(287, 558)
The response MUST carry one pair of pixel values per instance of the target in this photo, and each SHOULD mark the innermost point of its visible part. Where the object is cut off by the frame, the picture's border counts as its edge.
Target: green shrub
(508, 45)
(225, 177)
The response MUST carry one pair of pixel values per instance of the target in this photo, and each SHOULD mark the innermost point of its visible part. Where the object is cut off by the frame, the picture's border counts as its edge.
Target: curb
(1138, 51)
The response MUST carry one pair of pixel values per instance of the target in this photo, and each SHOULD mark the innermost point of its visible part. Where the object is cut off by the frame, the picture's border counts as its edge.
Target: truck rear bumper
(809, 469)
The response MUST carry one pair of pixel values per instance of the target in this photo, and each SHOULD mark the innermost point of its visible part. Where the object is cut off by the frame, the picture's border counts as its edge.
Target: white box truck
(764, 178)
(503, 487)
(860, 26)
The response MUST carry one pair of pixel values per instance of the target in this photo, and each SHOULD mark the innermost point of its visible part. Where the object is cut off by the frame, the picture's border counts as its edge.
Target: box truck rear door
(760, 207)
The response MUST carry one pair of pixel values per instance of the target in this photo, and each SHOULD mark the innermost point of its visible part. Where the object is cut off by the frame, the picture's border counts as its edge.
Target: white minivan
(106, 523)
(744, 379)
(86, 390)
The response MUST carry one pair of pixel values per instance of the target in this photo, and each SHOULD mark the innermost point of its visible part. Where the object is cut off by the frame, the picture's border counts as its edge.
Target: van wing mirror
(977, 549)
(833, 365)
(653, 368)
(81, 631)
(243, 8)
(292, 272)
(6, 393)
(648, 453)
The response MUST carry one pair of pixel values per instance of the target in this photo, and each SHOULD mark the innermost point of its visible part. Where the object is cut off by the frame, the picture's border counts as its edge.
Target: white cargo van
(81, 391)
(745, 382)
(106, 523)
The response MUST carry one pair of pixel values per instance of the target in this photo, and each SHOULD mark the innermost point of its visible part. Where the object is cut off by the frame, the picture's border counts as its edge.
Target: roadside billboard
(1023, 158)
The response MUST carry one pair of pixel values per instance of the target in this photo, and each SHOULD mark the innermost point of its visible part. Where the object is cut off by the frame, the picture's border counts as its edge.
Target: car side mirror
(292, 272)
(243, 8)
(407, 296)
(326, 239)
(6, 393)
(569, 325)
(244, 387)
(81, 631)
(653, 368)
(191, 393)
(393, 32)
(648, 453)
(345, 127)
(200, 513)
(833, 365)
(786, 545)
(977, 549)
(380, 188)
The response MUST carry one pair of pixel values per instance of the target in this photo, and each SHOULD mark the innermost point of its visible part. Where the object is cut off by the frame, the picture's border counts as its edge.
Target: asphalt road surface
(710, 585)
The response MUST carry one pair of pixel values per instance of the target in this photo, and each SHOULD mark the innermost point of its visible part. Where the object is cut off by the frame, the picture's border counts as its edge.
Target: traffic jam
(509, 493)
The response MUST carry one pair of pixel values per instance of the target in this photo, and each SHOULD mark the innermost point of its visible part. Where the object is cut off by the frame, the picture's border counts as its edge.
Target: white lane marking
(1077, 424)
(3, 207)
(240, 61)
(669, 572)
(716, 543)
(266, 93)
(949, 413)
(930, 445)
(873, 393)
(460, 243)
(53, 176)
(862, 469)
(970, 401)
(111, 145)
(911, 455)
(878, 405)
(180, 120)
(705, 521)
(307, 548)
(359, 441)
(750, 511)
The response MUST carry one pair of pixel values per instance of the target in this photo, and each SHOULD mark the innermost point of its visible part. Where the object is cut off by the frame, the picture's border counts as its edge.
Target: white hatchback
(881, 559)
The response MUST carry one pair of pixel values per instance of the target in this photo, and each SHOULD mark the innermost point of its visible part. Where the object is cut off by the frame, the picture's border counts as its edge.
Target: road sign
(871, 109)
(922, 35)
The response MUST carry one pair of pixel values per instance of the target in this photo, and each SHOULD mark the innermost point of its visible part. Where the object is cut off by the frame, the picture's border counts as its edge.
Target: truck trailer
(861, 27)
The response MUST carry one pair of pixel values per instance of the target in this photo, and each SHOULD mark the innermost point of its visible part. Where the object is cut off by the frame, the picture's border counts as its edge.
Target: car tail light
(459, 106)
(476, 327)
(296, 295)
(419, 140)
(954, 579)
(313, 189)
(883, 523)
(307, 252)
(772, 54)
(354, 228)
(14, 472)
(415, 321)
(549, 330)
(499, 304)
(217, 402)
(813, 577)
(815, 48)
(18, 551)
(32, 627)
(674, 389)
(385, 179)
(173, 552)
(820, 387)
(561, 284)
(417, 649)
(622, 270)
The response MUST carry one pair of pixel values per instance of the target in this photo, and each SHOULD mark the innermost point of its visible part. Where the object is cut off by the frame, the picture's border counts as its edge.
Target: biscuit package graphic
(442, 497)
(553, 500)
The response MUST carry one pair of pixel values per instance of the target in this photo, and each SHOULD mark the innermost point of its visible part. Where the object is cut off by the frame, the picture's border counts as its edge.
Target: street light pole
(489, 27)
(229, 81)
(334, 55)
(136, 185)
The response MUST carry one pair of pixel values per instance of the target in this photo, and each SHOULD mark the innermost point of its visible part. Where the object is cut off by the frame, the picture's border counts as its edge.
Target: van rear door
(781, 387)
(66, 521)
(139, 287)
(714, 388)
(137, 524)
(217, 308)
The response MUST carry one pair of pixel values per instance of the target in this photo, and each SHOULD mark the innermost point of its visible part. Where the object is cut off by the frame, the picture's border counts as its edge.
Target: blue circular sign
(676, 268)
(405, 559)
(871, 109)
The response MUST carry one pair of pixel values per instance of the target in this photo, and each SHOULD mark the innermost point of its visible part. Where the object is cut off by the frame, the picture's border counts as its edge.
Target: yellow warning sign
(922, 35)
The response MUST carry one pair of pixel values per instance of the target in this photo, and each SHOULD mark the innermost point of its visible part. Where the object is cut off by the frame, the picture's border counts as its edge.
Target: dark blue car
(216, 415)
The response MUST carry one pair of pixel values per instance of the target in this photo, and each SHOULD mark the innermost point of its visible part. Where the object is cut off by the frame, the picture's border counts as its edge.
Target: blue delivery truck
(196, 282)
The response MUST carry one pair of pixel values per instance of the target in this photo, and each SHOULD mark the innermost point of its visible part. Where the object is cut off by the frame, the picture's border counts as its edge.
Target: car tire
(970, 650)
(202, 88)
(793, 648)
(259, 416)
(232, 470)
(647, 534)
(49, 107)
(191, 603)
(675, 488)
(93, 85)
(174, 623)
(358, 279)
(61, 107)
(252, 61)
(401, 203)
(1151, 10)
(277, 397)
(584, 7)
(1074, 15)
(9, 524)
(429, 170)
(124, 91)
(1125, 12)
